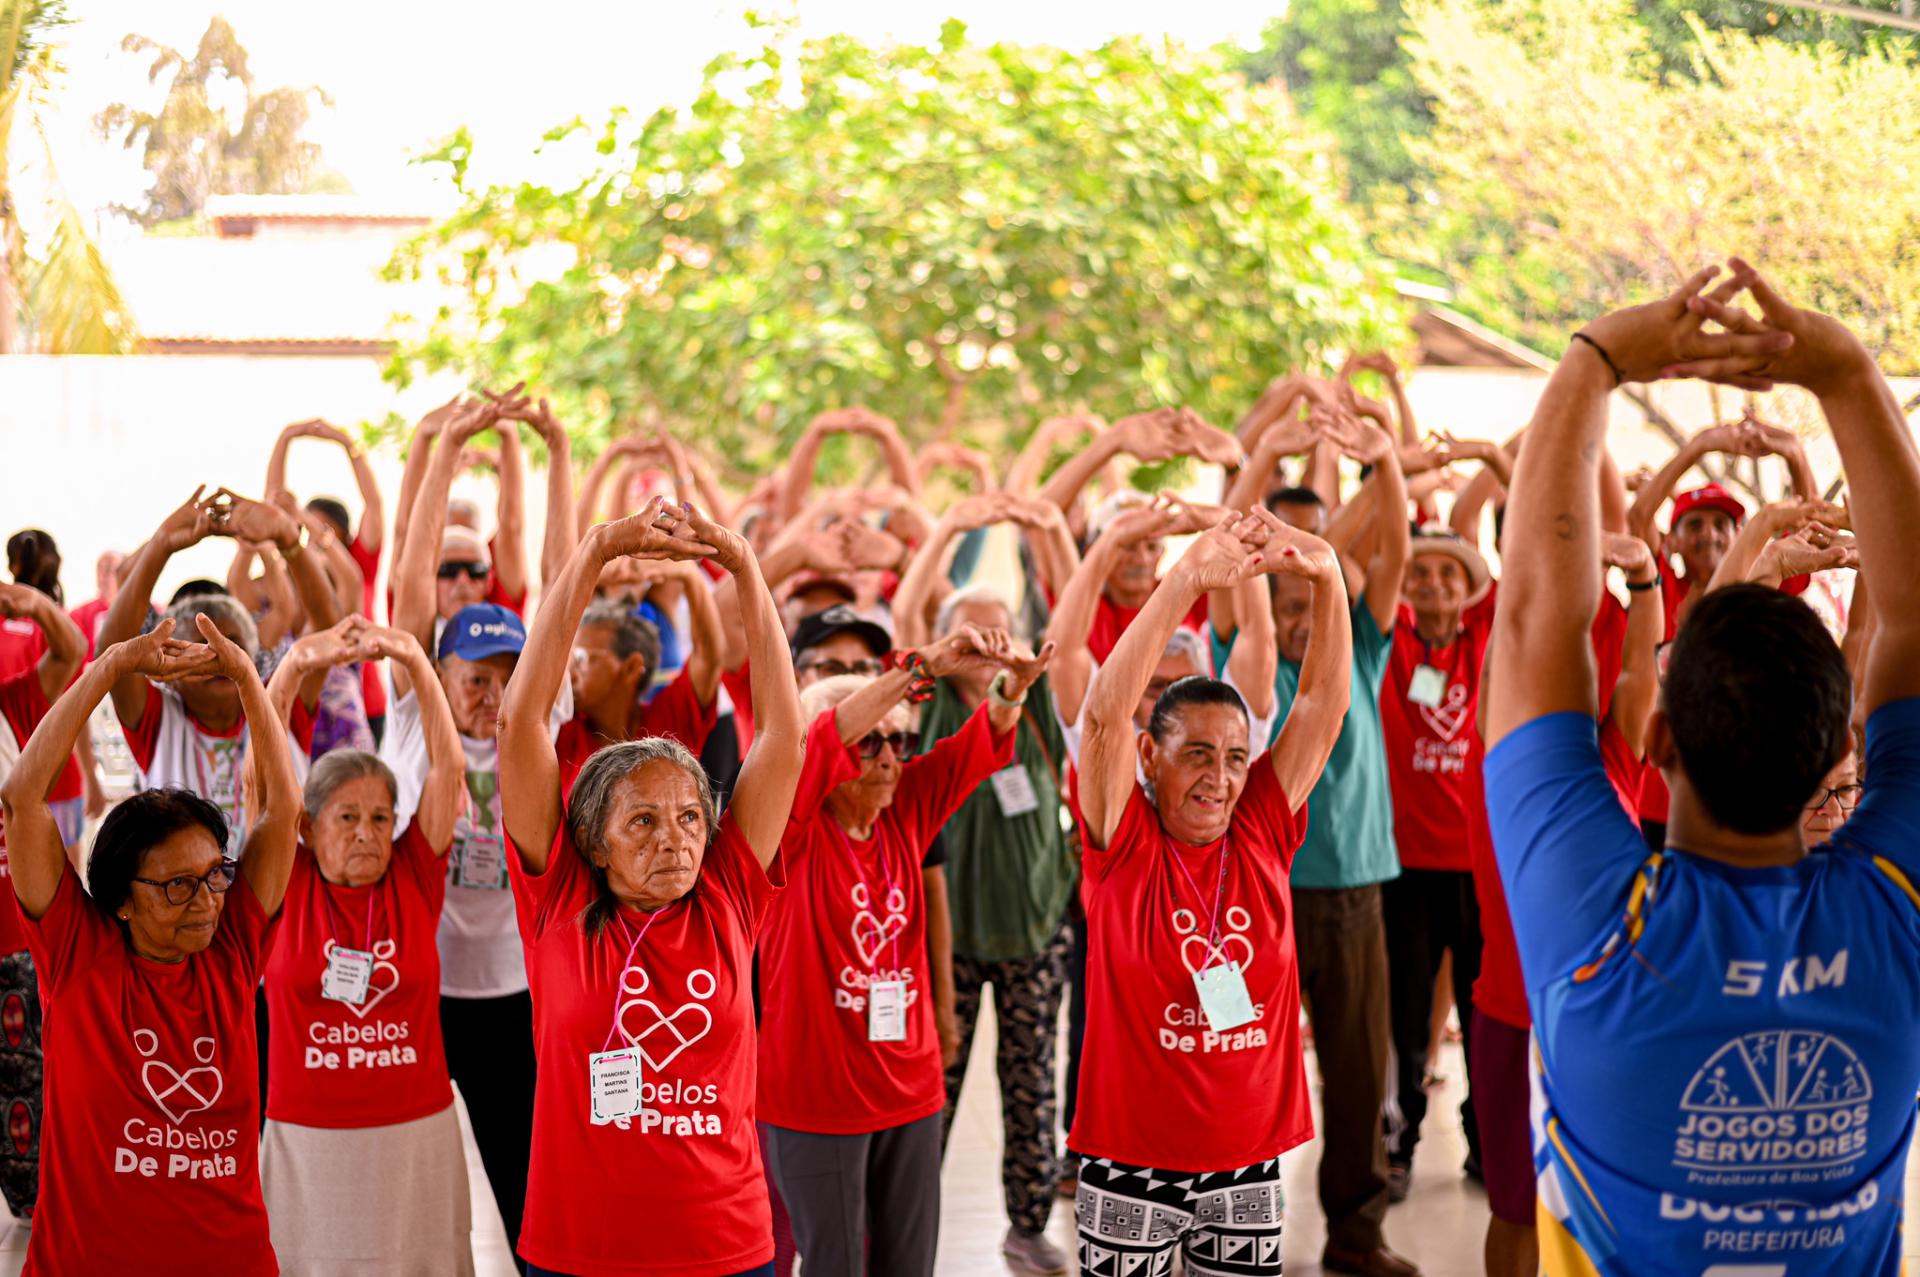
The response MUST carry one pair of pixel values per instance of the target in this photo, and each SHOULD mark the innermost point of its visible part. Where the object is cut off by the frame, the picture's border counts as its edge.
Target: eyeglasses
(1847, 796)
(473, 568)
(181, 891)
(830, 668)
(903, 744)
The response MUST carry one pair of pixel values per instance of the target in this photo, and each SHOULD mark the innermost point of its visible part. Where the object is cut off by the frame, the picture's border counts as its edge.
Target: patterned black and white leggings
(1132, 1218)
(1026, 998)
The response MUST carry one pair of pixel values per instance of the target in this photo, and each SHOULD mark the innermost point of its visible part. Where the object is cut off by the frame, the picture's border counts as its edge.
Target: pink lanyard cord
(879, 914)
(619, 979)
(1219, 897)
(326, 893)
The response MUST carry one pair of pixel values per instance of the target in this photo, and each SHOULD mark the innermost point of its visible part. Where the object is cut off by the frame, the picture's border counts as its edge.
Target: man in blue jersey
(1727, 1053)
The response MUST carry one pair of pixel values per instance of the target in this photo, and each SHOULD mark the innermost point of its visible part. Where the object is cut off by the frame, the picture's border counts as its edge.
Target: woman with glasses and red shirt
(851, 1080)
(148, 1153)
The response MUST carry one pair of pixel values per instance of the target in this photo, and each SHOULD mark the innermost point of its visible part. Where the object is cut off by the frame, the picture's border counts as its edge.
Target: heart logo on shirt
(660, 1031)
(1197, 953)
(1450, 715)
(382, 962)
(179, 1094)
(871, 935)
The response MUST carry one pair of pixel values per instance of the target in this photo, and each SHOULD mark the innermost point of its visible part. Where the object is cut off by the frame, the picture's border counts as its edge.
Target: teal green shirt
(1349, 839)
(1009, 878)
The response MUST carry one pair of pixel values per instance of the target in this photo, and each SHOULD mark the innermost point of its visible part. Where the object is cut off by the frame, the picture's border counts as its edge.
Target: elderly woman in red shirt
(149, 1160)
(639, 906)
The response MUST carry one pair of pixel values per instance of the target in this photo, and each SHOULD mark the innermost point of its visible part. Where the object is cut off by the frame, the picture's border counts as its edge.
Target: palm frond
(73, 305)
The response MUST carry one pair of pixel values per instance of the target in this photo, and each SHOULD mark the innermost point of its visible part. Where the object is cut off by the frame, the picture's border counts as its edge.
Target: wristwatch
(299, 546)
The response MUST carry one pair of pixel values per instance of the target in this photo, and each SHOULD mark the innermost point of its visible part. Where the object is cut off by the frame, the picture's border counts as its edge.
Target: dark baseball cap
(840, 619)
(480, 630)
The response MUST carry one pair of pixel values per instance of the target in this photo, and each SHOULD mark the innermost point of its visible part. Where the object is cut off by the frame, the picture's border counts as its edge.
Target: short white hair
(1115, 505)
(979, 592)
(1189, 644)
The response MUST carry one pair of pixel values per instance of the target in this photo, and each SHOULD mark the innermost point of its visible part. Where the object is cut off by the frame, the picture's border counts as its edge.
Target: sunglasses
(453, 568)
(180, 891)
(903, 744)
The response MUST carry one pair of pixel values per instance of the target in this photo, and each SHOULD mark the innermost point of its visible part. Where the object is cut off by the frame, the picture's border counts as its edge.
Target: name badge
(887, 1011)
(347, 975)
(613, 1085)
(482, 864)
(1014, 788)
(1429, 687)
(1223, 997)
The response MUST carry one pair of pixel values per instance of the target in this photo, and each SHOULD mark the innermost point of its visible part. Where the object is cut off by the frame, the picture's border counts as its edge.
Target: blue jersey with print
(1726, 1058)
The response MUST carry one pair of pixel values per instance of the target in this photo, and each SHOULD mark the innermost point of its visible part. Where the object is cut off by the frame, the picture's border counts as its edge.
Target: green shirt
(1009, 878)
(1349, 839)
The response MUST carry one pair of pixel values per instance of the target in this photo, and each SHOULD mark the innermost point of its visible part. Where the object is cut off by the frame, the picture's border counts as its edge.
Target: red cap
(1711, 497)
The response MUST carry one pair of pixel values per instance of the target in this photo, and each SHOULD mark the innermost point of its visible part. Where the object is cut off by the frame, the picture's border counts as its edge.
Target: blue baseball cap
(480, 630)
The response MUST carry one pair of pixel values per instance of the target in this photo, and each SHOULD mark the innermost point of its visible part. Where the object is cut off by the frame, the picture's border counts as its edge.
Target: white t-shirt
(170, 749)
(480, 954)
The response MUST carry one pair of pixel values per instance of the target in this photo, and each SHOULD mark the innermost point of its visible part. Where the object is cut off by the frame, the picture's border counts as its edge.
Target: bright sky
(403, 73)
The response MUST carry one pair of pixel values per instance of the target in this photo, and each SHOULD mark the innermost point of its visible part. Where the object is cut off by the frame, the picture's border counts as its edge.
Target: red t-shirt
(337, 1065)
(20, 653)
(87, 617)
(1430, 749)
(149, 1158)
(856, 912)
(22, 706)
(1158, 1087)
(739, 685)
(686, 1000)
(675, 711)
(1110, 621)
(372, 690)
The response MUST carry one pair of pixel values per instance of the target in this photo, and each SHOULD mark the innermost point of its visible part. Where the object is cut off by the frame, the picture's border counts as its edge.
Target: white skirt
(377, 1201)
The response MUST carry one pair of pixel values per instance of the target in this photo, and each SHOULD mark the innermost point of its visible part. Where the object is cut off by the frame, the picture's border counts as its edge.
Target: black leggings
(489, 1045)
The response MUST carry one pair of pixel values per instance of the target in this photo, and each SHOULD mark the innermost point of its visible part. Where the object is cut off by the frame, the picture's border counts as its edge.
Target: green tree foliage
(1569, 173)
(56, 294)
(1345, 64)
(214, 134)
(963, 237)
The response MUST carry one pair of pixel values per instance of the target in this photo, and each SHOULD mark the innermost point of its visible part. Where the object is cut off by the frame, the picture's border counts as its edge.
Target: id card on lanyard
(614, 1076)
(1220, 984)
(886, 999)
(349, 972)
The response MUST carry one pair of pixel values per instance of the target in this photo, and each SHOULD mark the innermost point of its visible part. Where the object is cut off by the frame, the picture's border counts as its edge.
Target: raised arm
(1551, 568)
(36, 853)
(587, 503)
(267, 859)
(1256, 653)
(763, 797)
(929, 564)
(510, 509)
(1023, 476)
(1393, 539)
(307, 662)
(275, 589)
(66, 645)
(1638, 687)
(187, 526)
(1306, 740)
(561, 533)
(257, 521)
(426, 435)
(445, 790)
(418, 555)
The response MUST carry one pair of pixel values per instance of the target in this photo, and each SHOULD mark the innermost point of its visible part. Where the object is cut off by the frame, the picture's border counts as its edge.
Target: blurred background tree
(964, 237)
(214, 134)
(56, 294)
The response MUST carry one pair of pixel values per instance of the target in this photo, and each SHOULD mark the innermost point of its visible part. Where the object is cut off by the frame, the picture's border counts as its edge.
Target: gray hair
(591, 805)
(631, 633)
(226, 613)
(1189, 644)
(979, 592)
(337, 767)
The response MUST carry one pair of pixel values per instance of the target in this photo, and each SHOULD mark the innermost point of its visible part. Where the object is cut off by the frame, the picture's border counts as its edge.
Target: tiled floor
(1440, 1225)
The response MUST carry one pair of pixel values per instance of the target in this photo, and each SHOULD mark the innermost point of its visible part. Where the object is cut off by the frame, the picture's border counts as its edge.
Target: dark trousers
(1026, 1002)
(1341, 940)
(1428, 912)
(861, 1203)
(489, 1044)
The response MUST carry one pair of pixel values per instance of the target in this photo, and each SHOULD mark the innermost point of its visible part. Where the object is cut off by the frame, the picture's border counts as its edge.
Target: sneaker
(1033, 1252)
(1399, 1183)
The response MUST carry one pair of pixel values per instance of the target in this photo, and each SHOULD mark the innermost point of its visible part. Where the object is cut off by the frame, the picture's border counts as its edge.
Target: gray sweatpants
(861, 1203)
